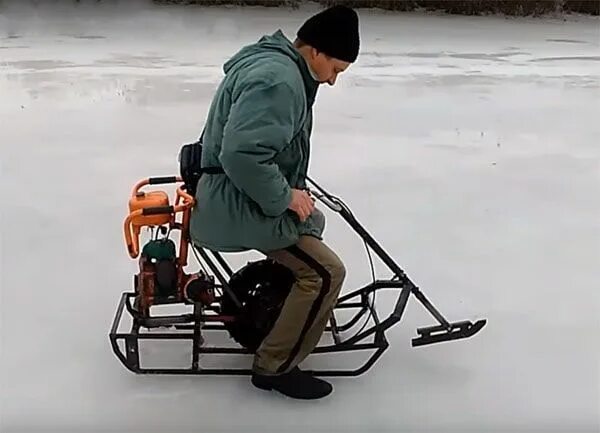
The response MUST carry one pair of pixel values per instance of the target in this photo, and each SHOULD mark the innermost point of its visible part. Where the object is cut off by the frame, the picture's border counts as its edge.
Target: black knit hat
(334, 32)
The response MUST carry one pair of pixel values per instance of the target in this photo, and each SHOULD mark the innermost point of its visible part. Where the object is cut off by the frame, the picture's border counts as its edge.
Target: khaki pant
(319, 276)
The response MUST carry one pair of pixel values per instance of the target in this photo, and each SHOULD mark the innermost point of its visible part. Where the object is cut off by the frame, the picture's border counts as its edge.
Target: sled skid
(445, 331)
(439, 334)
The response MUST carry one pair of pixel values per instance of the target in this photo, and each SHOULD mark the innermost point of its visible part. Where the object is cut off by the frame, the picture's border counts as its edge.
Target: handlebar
(330, 202)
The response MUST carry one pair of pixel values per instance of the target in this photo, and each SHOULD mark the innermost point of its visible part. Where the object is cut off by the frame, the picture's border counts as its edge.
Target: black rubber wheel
(262, 287)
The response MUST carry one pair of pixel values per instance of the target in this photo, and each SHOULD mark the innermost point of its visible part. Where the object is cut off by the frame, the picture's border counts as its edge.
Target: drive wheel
(261, 287)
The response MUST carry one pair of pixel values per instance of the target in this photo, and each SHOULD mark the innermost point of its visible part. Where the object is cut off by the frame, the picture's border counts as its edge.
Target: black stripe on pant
(316, 306)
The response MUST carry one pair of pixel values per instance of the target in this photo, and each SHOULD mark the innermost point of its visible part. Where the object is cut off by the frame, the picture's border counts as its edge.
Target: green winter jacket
(258, 130)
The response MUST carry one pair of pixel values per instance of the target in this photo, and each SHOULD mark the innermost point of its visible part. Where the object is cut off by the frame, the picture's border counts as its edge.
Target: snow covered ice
(469, 147)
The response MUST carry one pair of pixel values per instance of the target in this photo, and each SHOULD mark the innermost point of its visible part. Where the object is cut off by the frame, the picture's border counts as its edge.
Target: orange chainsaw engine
(161, 278)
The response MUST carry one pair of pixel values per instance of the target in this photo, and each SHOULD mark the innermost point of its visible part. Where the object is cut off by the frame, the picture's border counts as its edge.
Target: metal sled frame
(207, 319)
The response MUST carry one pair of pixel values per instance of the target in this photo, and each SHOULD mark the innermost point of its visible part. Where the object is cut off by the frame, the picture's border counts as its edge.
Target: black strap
(209, 170)
(212, 170)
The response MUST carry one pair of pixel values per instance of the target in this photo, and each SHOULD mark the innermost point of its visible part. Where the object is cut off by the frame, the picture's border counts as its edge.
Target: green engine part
(162, 253)
(160, 249)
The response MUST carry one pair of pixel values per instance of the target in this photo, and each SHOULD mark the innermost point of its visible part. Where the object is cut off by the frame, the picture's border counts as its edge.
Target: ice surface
(467, 146)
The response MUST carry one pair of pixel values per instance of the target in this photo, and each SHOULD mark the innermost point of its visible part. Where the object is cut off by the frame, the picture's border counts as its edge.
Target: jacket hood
(276, 43)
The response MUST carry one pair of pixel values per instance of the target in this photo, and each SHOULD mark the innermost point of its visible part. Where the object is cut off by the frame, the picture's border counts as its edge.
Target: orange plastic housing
(150, 199)
(153, 209)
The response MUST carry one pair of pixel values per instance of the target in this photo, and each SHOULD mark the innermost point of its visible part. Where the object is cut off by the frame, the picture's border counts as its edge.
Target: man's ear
(313, 53)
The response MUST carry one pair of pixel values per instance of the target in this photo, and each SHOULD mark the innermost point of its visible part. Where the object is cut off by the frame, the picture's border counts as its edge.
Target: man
(258, 130)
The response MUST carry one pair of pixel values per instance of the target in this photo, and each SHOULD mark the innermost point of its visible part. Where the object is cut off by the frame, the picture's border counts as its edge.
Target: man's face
(325, 67)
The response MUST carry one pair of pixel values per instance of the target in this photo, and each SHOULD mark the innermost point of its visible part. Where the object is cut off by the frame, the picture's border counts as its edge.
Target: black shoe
(296, 384)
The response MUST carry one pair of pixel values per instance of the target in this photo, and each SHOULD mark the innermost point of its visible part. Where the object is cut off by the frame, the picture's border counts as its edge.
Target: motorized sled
(243, 303)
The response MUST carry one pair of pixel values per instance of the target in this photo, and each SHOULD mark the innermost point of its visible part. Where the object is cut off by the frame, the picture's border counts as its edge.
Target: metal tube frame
(371, 338)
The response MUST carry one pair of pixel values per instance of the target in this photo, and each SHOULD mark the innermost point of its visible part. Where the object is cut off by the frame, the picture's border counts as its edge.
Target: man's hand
(302, 203)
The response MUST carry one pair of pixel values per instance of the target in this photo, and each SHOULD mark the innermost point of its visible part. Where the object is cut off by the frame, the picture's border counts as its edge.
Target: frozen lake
(469, 147)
